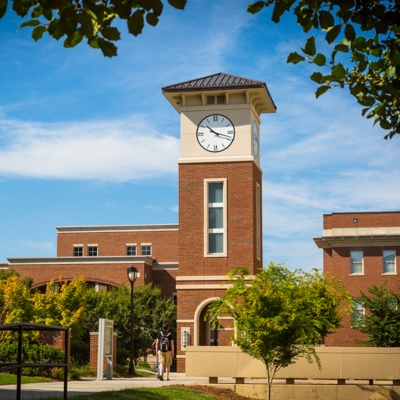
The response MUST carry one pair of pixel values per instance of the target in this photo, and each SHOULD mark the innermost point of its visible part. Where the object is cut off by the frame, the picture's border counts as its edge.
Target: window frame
(394, 263)
(78, 246)
(90, 249)
(146, 245)
(207, 207)
(355, 311)
(362, 263)
(130, 245)
(258, 221)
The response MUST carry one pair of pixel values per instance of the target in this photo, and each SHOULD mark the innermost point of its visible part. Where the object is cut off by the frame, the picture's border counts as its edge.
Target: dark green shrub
(32, 353)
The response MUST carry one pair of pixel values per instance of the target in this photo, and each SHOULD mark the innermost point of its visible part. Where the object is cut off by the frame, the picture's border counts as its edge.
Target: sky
(88, 140)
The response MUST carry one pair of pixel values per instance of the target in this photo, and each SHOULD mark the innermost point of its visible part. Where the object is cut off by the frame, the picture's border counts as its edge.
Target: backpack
(164, 342)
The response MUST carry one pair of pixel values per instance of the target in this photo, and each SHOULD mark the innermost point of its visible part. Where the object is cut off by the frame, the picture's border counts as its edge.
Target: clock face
(215, 133)
(255, 139)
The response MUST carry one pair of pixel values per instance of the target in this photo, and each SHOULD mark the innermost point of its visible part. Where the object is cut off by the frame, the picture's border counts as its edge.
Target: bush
(32, 353)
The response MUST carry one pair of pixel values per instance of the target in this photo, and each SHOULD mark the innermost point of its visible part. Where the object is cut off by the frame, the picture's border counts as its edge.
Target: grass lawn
(6, 379)
(160, 393)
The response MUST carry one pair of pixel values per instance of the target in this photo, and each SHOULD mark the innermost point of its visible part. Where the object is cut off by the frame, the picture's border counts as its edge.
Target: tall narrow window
(258, 220)
(357, 311)
(215, 218)
(389, 261)
(356, 262)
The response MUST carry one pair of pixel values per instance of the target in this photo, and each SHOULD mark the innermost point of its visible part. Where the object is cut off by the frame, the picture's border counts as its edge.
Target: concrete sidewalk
(87, 386)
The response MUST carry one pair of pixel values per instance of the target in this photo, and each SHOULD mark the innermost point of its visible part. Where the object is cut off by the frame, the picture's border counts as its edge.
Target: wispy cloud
(99, 150)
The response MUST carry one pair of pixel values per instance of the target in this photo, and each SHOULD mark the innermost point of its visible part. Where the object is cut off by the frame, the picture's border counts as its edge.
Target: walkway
(87, 386)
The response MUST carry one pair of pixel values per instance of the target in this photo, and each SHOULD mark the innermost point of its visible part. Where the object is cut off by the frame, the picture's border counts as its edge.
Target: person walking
(165, 350)
(154, 345)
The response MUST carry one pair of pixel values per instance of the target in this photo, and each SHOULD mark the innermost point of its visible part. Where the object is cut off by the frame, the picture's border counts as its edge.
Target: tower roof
(215, 81)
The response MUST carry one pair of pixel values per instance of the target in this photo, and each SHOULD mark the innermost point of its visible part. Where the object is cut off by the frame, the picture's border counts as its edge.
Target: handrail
(28, 326)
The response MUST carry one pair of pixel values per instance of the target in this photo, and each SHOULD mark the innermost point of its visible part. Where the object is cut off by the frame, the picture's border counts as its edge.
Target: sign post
(105, 347)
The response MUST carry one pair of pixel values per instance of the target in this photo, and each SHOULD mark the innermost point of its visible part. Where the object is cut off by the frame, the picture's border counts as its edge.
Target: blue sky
(88, 140)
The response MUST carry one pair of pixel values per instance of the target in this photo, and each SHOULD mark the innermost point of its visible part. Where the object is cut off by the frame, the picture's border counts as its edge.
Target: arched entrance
(204, 334)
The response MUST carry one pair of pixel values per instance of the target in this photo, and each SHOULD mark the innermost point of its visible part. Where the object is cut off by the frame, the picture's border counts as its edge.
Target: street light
(132, 275)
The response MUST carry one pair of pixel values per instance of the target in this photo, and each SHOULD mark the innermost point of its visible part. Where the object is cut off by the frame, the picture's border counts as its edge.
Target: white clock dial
(215, 133)
(255, 139)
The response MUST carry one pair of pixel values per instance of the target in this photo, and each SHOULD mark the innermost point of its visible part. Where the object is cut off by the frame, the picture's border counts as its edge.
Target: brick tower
(220, 186)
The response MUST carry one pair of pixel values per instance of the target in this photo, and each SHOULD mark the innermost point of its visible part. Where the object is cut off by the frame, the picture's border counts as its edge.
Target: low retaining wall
(341, 363)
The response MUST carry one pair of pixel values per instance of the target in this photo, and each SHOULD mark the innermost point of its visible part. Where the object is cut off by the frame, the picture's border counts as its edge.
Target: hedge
(32, 353)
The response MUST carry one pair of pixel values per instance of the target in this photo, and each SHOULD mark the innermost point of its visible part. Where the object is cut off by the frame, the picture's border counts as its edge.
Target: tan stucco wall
(336, 362)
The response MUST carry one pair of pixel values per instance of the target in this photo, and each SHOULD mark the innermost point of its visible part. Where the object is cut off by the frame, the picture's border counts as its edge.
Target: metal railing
(20, 327)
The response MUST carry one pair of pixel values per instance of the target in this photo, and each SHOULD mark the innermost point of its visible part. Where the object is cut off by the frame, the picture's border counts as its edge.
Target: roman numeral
(208, 146)
(215, 118)
(215, 147)
(201, 133)
(230, 132)
(208, 120)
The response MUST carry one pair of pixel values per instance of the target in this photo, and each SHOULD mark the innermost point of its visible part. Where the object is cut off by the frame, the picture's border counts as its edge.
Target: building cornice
(359, 237)
(118, 228)
(82, 260)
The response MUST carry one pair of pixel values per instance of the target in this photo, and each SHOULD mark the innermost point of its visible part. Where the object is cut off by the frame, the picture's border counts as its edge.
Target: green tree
(63, 306)
(370, 65)
(150, 312)
(92, 20)
(280, 315)
(382, 320)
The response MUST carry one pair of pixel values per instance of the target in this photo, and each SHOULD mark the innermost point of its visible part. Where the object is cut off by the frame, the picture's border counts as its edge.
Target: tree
(372, 69)
(62, 307)
(150, 312)
(88, 19)
(382, 320)
(280, 315)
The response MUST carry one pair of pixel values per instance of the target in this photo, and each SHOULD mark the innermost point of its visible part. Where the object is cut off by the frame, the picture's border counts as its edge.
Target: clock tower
(220, 188)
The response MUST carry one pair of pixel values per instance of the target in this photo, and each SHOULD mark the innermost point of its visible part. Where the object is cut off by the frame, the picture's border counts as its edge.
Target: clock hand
(219, 134)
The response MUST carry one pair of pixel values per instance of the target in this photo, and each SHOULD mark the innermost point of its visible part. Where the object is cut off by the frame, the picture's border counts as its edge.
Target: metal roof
(216, 81)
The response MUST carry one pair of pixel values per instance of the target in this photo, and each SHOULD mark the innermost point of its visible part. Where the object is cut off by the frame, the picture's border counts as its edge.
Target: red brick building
(220, 216)
(361, 249)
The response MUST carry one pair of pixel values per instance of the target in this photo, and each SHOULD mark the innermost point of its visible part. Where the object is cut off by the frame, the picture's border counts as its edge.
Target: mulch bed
(221, 394)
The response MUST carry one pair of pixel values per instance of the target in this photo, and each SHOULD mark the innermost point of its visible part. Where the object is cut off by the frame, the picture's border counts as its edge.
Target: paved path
(87, 386)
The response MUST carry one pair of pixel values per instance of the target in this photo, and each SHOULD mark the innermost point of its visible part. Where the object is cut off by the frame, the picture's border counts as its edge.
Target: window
(258, 220)
(92, 251)
(215, 218)
(78, 251)
(146, 250)
(356, 262)
(131, 250)
(357, 312)
(175, 298)
(389, 261)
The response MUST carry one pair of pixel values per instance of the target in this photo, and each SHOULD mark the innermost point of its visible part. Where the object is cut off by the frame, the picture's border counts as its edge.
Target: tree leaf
(179, 4)
(3, 7)
(37, 33)
(333, 34)
(157, 7)
(362, 65)
(319, 59)
(349, 32)
(326, 20)
(342, 47)
(279, 9)
(339, 71)
(110, 33)
(317, 77)
(36, 12)
(152, 19)
(310, 48)
(384, 124)
(73, 40)
(32, 22)
(294, 58)
(321, 90)
(256, 7)
(136, 22)
(108, 48)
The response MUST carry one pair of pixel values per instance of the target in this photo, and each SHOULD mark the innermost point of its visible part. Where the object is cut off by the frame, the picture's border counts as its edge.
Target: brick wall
(164, 243)
(94, 342)
(337, 263)
(364, 219)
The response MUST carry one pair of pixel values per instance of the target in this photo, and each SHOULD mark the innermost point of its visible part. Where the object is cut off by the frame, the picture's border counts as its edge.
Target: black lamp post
(132, 275)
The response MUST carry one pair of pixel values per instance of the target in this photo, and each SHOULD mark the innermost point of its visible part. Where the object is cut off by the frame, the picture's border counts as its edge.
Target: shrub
(32, 353)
